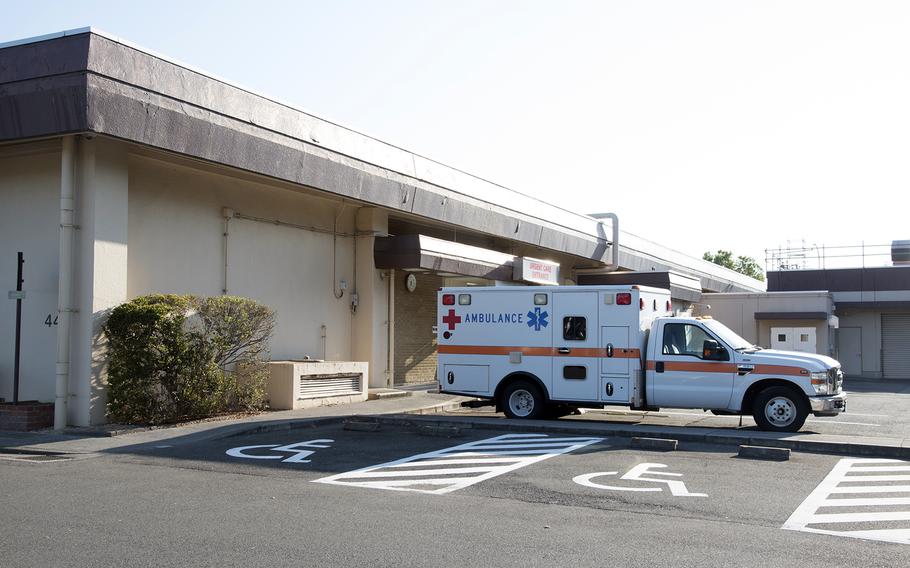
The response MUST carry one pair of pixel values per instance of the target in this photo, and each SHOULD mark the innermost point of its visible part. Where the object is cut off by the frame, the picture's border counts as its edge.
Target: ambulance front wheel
(522, 399)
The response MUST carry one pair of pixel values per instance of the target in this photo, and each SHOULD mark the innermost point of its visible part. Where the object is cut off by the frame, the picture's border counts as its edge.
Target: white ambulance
(536, 349)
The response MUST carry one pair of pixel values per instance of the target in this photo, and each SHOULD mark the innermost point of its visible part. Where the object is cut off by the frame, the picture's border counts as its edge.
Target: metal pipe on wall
(614, 261)
(65, 278)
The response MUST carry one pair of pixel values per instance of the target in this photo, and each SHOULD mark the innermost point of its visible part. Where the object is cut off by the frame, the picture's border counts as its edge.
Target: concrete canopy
(88, 82)
(84, 81)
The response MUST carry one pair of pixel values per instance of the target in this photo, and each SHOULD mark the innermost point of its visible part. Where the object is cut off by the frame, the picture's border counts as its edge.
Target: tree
(742, 264)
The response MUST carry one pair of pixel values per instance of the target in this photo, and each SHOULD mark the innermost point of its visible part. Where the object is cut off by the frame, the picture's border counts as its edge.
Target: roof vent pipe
(614, 260)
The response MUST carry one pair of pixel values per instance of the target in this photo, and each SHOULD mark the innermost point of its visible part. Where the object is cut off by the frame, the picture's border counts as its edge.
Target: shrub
(180, 357)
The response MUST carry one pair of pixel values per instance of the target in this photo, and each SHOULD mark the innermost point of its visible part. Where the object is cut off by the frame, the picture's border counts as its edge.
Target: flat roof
(124, 81)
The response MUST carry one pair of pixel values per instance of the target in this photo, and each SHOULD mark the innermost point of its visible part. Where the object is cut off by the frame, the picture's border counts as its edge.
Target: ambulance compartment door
(616, 364)
(576, 361)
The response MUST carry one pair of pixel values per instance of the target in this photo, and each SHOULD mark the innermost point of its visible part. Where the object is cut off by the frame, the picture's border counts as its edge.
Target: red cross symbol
(451, 319)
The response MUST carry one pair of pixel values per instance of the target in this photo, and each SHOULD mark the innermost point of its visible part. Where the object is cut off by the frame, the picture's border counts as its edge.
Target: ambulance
(539, 350)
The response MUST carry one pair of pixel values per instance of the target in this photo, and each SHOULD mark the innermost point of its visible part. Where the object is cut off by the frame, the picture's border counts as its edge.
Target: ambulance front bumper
(828, 405)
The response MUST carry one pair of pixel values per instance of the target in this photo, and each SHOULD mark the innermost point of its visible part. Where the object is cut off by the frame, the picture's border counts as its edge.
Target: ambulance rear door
(576, 353)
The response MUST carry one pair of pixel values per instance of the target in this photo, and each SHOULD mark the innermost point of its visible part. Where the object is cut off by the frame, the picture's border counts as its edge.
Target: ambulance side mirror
(714, 351)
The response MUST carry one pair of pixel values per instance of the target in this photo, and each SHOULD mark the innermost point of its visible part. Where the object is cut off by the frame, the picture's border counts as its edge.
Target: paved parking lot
(314, 496)
(875, 409)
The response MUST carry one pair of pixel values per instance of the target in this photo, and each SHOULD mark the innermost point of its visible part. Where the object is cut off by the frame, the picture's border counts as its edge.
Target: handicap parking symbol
(300, 451)
(638, 473)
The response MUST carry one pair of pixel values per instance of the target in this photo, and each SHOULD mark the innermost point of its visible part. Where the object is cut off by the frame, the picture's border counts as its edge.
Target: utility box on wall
(305, 384)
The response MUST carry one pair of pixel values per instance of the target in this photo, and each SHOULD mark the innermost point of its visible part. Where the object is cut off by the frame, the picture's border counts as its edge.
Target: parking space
(703, 481)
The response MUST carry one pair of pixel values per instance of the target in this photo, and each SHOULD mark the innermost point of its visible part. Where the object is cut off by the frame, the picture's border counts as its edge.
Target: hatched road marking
(475, 461)
(872, 518)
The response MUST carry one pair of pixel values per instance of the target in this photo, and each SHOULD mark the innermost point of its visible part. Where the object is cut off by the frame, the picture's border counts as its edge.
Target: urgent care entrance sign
(536, 271)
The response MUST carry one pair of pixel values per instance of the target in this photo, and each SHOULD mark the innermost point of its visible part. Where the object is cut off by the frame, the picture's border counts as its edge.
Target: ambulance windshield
(728, 336)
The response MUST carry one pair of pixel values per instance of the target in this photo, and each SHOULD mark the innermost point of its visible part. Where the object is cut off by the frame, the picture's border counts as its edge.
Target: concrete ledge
(657, 444)
(440, 430)
(381, 394)
(361, 424)
(764, 453)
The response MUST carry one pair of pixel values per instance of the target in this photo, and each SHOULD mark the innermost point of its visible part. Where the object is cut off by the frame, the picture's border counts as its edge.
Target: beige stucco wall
(176, 246)
(737, 311)
(29, 205)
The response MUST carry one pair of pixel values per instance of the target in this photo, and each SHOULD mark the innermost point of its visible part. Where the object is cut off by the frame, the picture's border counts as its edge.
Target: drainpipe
(614, 262)
(65, 279)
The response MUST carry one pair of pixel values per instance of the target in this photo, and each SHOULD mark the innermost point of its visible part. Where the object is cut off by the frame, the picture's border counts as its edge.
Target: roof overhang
(791, 316)
(681, 286)
(86, 81)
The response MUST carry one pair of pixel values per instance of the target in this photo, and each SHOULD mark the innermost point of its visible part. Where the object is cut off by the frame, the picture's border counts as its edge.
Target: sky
(738, 125)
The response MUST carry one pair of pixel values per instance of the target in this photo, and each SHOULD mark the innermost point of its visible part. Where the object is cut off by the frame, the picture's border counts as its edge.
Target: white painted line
(860, 517)
(421, 472)
(876, 478)
(879, 489)
(457, 462)
(527, 449)
(851, 413)
(844, 423)
(870, 501)
(807, 513)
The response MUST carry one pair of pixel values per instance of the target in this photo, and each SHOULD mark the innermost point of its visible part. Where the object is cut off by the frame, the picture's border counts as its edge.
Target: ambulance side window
(684, 339)
(574, 328)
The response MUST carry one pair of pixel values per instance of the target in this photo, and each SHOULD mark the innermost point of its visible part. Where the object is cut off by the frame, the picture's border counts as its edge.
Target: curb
(764, 453)
(710, 436)
(303, 423)
(656, 444)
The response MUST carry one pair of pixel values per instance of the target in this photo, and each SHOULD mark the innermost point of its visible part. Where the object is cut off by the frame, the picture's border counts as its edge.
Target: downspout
(65, 280)
(614, 261)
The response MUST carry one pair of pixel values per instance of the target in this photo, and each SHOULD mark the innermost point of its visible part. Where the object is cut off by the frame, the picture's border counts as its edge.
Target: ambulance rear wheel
(522, 399)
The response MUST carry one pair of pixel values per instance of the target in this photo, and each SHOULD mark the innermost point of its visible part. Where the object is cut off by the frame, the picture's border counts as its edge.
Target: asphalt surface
(483, 499)
(874, 410)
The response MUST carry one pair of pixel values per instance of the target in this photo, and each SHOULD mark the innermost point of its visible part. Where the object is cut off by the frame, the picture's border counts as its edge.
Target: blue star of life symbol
(537, 319)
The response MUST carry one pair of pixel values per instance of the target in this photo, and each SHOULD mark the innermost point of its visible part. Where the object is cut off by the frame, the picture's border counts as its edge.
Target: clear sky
(703, 124)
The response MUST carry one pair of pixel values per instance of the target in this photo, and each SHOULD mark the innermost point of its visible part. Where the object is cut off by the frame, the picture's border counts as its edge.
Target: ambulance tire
(523, 400)
(780, 409)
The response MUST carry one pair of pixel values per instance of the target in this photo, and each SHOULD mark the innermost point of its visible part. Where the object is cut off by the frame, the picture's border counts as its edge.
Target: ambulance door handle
(564, 350)
(609, 349)
(659, 366)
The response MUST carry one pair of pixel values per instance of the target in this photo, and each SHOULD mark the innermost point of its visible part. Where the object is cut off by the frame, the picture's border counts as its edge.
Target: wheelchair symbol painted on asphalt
(300, 450)
(638, 473)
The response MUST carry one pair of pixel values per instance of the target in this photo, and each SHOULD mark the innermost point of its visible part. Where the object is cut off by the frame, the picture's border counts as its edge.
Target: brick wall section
(26, 416)
(415, 316)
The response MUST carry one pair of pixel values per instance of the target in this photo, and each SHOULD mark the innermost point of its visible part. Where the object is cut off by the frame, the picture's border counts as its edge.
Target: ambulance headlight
(820, 382)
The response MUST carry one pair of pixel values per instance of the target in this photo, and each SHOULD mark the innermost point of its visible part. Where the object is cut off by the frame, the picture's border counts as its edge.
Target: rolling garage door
(896, 346)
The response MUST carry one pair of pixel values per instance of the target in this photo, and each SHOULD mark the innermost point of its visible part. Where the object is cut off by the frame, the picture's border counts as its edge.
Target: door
(615, 364)
(850, 350)
(576, 353)
(682, 377)
(896, 346)
(782, 338)
(793, 339)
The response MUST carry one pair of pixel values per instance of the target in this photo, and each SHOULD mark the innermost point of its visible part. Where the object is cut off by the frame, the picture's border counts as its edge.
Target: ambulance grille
(320, 386)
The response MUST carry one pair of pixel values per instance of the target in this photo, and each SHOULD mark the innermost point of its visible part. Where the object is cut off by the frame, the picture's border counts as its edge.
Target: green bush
(176, 358)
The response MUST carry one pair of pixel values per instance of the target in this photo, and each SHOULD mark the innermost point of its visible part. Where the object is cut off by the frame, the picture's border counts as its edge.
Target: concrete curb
(656, 444)
(737, 438)
(764, 453)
